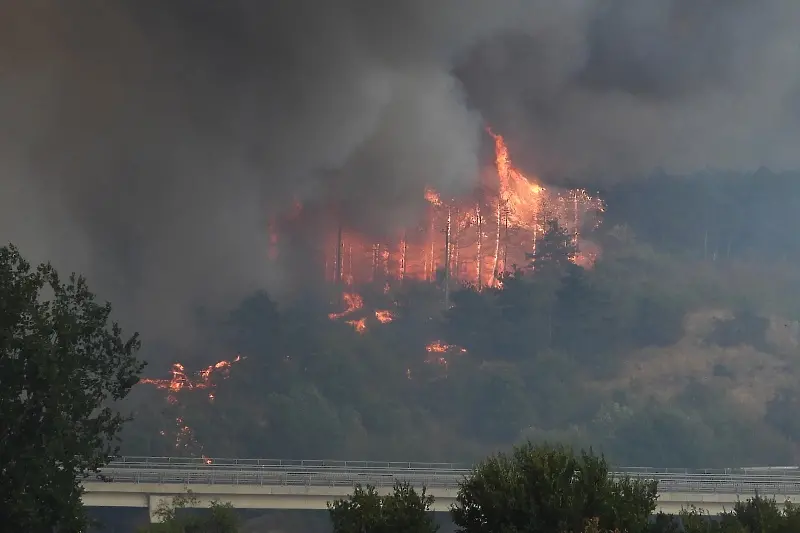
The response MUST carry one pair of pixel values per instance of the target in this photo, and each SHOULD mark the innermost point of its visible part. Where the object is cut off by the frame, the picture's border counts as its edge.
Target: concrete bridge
(270, 484)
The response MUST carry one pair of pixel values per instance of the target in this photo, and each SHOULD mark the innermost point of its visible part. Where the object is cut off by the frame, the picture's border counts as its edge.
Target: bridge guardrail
(295, 470)
(785, 471)
(313, 463)
(330, 475)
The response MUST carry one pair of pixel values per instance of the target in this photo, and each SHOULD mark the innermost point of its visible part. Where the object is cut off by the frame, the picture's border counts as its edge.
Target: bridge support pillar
(153, 502)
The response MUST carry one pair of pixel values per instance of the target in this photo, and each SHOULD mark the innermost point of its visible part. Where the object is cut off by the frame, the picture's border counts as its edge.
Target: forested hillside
(678, 347)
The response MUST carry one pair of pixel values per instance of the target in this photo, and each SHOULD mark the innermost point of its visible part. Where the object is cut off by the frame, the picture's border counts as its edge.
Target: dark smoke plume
(147, 143)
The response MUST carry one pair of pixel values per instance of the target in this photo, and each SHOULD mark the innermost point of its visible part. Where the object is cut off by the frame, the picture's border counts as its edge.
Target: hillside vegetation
(677, 348)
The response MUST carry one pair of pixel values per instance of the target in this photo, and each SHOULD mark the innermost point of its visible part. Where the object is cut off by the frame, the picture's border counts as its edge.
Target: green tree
(550, 489)
(755, 515)
(62, 363)
(763, 515)
(555, 247)
(218, 518)
(694, 520)
(403, 511)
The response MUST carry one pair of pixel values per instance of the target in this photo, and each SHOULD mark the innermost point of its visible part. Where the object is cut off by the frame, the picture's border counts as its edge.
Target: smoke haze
(147, 143)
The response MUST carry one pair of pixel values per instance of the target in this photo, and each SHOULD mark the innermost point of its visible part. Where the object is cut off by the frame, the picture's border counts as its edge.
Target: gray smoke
(147, 143)
(629, 85)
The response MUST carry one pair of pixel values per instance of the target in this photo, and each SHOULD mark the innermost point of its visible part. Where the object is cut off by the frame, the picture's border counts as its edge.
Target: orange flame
(181, 381)
(359, 325)
(437, 352)
(522, 196)
(384, 316)
(353, 302)
(440, 347)
(432, 197)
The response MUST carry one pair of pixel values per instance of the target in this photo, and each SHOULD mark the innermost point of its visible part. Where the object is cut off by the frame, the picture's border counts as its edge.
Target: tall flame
(467, 240)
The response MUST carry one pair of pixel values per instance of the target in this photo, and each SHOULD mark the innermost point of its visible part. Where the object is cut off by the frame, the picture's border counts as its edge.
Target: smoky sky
(147, 143)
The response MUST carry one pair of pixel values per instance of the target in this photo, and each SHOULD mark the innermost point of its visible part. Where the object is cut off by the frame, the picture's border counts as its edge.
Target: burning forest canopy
(473, 238)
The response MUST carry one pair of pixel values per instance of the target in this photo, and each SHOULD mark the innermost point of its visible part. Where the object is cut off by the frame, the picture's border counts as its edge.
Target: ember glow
(433, 197)
(384, 316)
(438, 352)
(353, 302)
(359, 325)
(440, 347)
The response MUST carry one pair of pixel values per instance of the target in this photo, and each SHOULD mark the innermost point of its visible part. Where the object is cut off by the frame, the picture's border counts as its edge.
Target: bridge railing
(428, 474)
(229, 469)
(315, 463)
(244, 477)
(784, 471)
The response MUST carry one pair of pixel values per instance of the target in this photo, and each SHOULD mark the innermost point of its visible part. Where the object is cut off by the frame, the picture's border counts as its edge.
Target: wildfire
(181, 381)
(473, 239)
(433, 197)
(359, 325)
(521, 198)
(437, 352)
(353, 302)
(440, 347)
(384, 316)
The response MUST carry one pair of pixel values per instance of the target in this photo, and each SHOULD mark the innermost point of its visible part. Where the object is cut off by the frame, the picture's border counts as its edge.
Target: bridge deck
(261, 484)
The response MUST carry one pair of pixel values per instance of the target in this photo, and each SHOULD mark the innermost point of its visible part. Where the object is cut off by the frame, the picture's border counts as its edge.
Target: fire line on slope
(181, 381)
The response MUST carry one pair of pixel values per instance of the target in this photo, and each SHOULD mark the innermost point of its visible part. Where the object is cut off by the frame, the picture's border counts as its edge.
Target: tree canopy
(63, 363)
(550, 489)
(173, 517)
(404, 510)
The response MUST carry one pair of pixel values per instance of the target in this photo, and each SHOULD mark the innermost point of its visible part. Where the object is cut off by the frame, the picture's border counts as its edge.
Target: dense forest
(676, 348)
